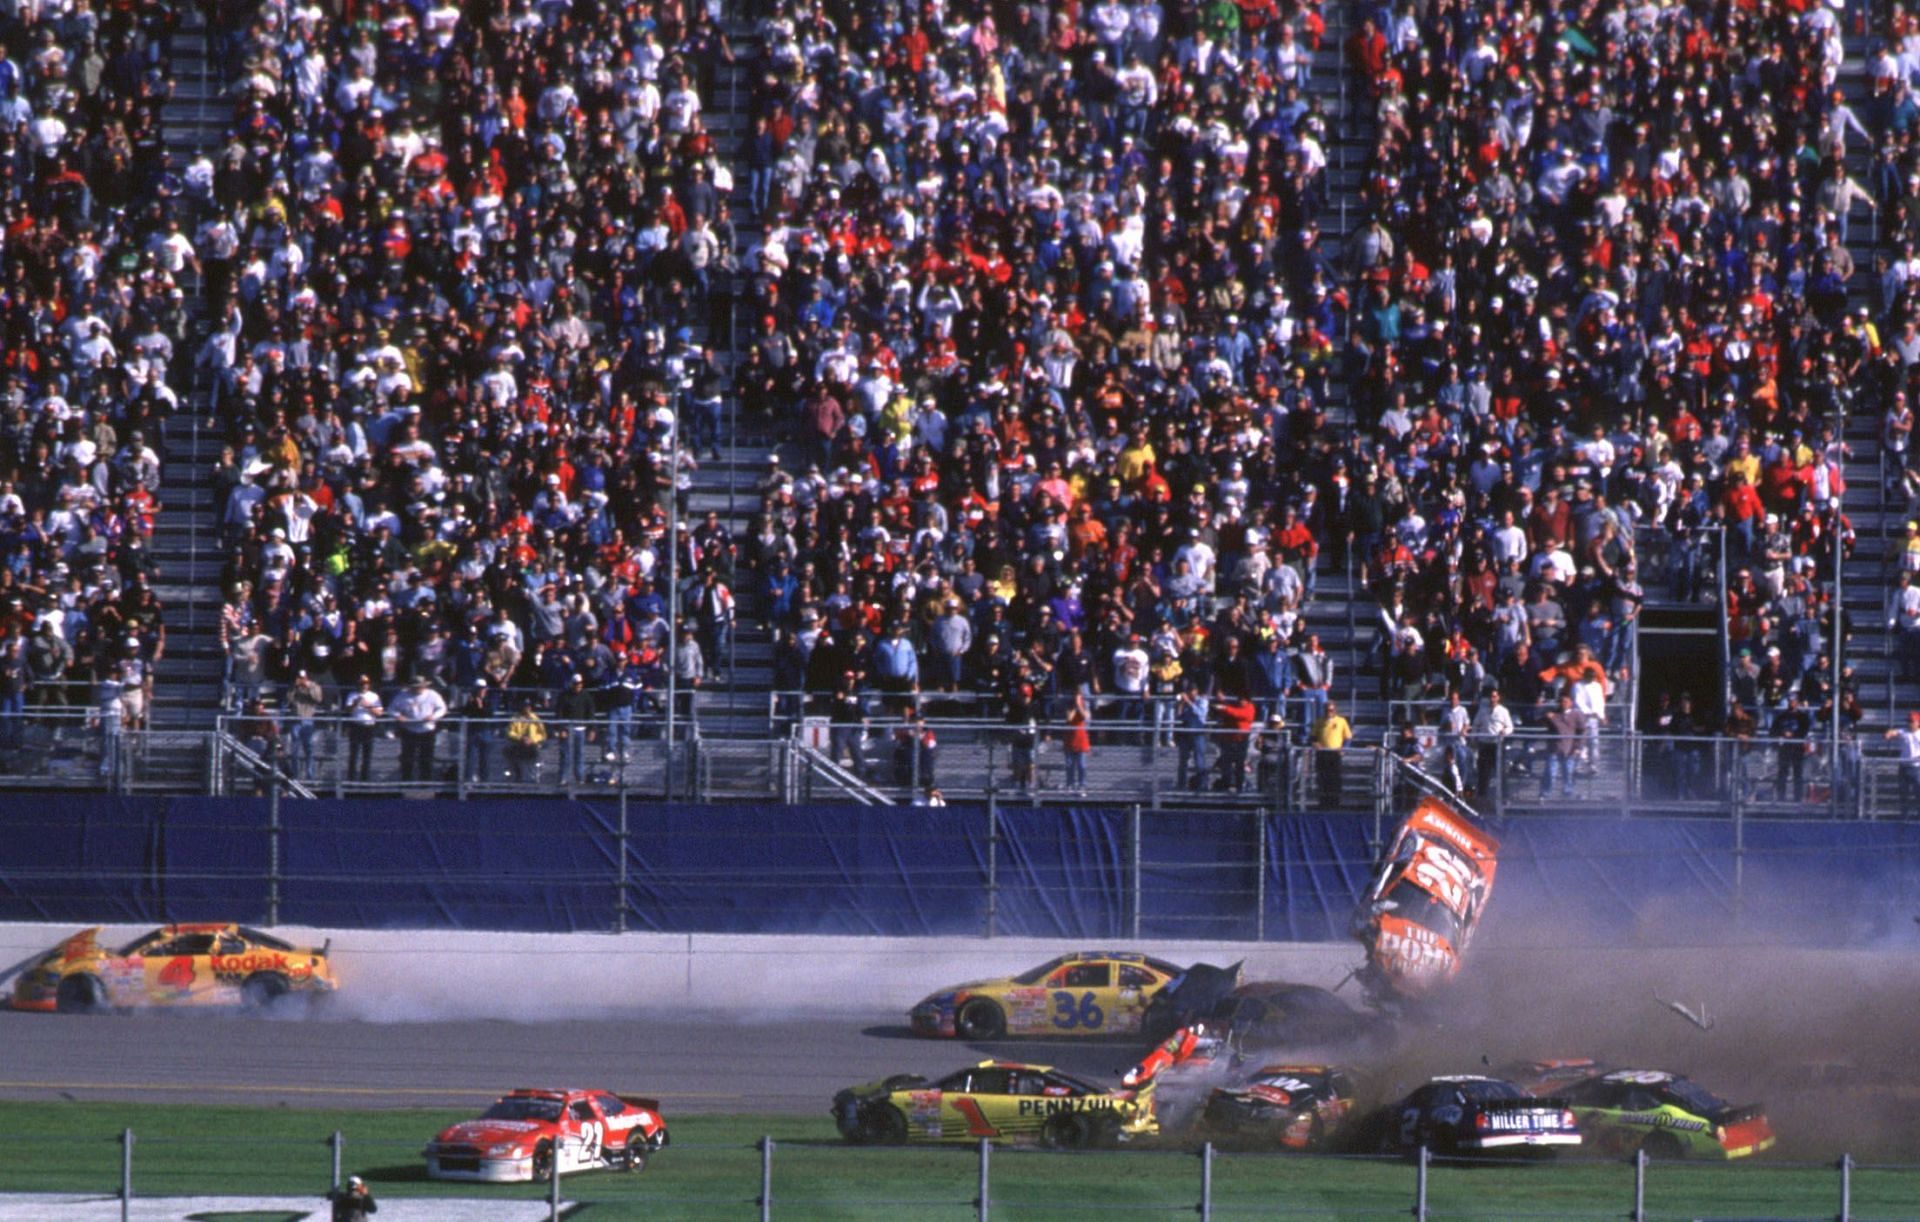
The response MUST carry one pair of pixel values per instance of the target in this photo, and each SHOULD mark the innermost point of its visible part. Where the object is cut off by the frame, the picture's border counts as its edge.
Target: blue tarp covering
(1065, 873)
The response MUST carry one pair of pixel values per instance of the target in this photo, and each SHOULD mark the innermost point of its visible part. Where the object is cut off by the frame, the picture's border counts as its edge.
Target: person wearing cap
(354, 1202)
(1908, 740)
(304, 698)
(577, 726)
(418, 712)
(480, 726)
(526, 736)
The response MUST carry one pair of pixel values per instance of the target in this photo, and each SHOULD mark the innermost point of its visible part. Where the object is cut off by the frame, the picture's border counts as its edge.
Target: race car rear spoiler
(1737, 1113)
(1519, 1105)
(641, 1101)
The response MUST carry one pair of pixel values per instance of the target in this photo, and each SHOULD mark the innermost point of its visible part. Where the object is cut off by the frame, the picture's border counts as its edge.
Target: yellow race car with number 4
(1090, 993)
(995, 1100)
(175, 965)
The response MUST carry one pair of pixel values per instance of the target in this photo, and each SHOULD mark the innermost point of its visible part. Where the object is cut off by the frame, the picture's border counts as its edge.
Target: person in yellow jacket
(525, 737)
(1331, 734)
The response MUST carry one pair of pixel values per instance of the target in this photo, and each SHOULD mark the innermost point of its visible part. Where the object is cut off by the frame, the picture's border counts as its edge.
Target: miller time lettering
(1047, 1107)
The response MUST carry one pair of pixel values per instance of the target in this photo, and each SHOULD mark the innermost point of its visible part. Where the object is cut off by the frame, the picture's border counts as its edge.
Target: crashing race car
(1092, 993)
(998, 1100)
(1267, 1014)
(175, 965)
(1427, 897)
(1469, 1115)
(1298, 1107)
(1551, 1076)
(1668, 1116)
(534, 1134)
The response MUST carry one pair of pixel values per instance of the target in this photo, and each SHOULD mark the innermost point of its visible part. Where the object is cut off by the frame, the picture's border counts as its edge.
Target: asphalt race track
(692, 1064)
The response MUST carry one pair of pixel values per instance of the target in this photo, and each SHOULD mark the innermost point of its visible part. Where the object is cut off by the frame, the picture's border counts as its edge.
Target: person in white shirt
(1909, 741)
(1492, 724)
(418, 711)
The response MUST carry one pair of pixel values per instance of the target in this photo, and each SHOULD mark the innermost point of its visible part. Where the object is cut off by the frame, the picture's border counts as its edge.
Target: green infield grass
(713, 1169)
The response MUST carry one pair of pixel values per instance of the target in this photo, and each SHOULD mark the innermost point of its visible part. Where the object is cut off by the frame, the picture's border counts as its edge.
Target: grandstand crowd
(1082, 380)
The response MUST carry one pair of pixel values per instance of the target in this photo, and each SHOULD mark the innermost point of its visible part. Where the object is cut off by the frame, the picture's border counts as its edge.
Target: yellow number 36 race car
(1091, 993)
(175, 965)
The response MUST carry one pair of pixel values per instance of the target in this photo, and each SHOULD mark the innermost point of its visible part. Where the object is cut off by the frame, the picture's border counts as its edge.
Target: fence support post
(1420, 1186)
(620, 899)
(993, 855)
(553, 1187)
(1206, 1181)
(1640, 1186)
(1133, 857)
(981, 1204)
(336, 1143)
(1259, 876)
(273, 845)
(126, 1174)
(1846, 1188)
(766, 1179)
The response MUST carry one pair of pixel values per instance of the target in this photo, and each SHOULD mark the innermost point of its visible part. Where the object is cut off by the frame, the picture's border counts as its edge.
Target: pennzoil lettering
(1047, 1107)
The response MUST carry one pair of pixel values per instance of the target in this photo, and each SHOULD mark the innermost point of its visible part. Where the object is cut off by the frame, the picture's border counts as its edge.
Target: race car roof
(1641, 1076)
(990, 1063)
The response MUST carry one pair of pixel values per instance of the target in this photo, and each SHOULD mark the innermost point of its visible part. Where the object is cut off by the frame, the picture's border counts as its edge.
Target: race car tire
(543, 1162)
(980, 1019)
(1066, 1131)
(883, 1125)
(264, 990)
(636, 1157)
(81, 994)
(1663, 1148)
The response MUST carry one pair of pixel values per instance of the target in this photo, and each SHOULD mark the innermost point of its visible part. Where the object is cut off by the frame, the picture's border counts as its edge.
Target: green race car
(1668, 1116)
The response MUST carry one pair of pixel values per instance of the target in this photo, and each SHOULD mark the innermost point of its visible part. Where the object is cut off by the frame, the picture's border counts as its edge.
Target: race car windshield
(1037, 974)
(1411, 902)
(1693, 1098)
(524, 1109)
(1085, 1088)
(1490, 1091)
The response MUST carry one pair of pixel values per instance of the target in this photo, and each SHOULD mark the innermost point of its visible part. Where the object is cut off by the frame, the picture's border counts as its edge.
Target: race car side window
(185, 944)
(1028, 1084)
(230, 945)
(956, 1081)
(582, 1110)
(609, 1105)
(989, 1082)
(1640, 1099)
(1136, 978)
(1341, 1084)
(1086, 976)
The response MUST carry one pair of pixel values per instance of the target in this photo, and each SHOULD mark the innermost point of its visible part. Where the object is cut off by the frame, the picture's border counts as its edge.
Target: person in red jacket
(1235, 715)
(1367, 53)
(1745, 510)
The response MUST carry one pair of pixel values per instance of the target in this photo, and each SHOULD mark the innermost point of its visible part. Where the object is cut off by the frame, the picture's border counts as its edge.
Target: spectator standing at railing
(577, 723)
(48, 657)
(1077, 745)
(364, 712)
(304, 700)
(1793, 729)
(1330, 736)
(1492, 726)
(1190, 726)
(1313, 671)
(479, 723)
(1908, 740)
(1567, 727)
(526, 738)
(14, 675)
(418, 712)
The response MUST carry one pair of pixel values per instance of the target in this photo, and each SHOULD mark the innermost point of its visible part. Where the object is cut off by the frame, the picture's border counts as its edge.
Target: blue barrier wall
(1070, 873)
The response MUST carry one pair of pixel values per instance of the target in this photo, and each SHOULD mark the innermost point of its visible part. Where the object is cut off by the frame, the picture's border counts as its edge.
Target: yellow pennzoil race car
(997, 1100)
(175, 965)
(1090, 993)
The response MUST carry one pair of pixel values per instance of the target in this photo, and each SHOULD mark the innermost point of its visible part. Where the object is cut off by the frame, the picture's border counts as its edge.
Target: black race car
(1469, 1115)
(1297, 1107)
(1265, 1014)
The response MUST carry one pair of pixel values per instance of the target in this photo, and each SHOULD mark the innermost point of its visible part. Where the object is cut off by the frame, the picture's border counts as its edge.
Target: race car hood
(492, 1132)
(1195, 992)
(884, 1086)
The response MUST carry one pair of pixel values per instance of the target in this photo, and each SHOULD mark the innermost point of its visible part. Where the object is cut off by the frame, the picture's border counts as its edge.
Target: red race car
(532, 1134)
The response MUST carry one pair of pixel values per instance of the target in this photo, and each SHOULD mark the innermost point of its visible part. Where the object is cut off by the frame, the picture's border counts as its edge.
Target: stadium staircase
(186, 542)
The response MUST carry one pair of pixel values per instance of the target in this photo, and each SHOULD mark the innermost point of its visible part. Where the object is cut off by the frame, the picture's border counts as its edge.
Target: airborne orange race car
(175, 965)
(1419, 916)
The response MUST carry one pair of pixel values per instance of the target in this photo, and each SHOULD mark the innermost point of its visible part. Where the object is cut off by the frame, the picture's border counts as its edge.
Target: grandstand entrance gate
(1682, 650)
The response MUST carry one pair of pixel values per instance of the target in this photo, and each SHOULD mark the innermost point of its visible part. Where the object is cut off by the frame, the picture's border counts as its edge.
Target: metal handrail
(263, 766)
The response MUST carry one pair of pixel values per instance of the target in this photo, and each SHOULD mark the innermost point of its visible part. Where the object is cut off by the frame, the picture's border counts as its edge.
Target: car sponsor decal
(1660, 1120)
(1047, 1107)
(923, 1111)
